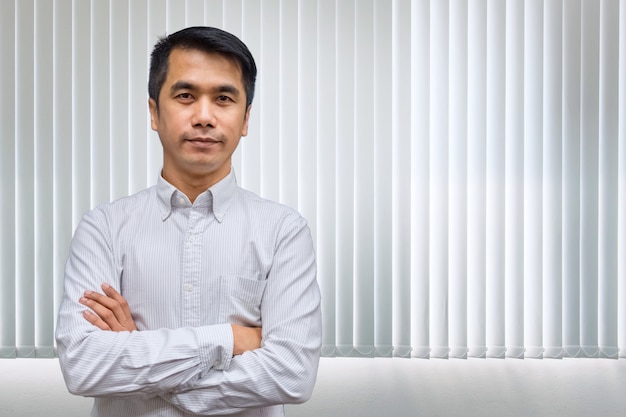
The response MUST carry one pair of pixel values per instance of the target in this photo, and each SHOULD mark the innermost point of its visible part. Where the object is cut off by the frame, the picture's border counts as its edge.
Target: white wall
(387, 388)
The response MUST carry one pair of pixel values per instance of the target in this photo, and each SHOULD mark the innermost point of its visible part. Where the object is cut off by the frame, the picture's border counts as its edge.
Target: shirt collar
(217, 199)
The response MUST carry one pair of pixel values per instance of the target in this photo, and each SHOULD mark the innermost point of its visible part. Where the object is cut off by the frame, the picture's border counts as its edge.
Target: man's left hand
(111, 310)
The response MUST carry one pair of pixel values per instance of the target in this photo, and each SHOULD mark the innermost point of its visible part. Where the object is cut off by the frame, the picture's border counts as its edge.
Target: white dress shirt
(188, 271)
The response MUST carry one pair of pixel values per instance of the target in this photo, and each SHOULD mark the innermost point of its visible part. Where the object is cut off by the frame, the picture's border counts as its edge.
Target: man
(209, 302)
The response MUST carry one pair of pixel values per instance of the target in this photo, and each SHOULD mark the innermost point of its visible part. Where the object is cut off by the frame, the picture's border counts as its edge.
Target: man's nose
(204, 114)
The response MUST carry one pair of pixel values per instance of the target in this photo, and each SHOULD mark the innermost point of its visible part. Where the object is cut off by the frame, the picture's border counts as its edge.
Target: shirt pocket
(240, 300)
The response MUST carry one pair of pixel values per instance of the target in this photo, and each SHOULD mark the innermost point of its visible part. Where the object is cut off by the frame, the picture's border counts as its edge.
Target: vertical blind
(462, 164)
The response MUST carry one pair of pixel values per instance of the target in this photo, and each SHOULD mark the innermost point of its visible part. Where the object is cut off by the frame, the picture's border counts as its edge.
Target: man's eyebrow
(182, 85)
(227, 88)
(186, 85)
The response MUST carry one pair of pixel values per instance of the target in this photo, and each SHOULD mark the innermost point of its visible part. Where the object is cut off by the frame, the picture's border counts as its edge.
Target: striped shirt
(188, 271)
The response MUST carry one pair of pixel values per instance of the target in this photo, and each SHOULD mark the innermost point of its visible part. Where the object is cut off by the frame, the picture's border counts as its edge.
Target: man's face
(201, 116)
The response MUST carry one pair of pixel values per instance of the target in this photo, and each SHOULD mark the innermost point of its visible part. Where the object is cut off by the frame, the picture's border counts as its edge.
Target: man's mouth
(203, 142)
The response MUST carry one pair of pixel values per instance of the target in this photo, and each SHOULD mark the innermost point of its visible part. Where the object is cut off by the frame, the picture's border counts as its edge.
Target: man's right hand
(245, 338)
(110, 310)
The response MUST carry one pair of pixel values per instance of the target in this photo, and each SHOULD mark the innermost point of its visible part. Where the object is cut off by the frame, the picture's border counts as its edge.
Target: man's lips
(202, 139)
(203, 142)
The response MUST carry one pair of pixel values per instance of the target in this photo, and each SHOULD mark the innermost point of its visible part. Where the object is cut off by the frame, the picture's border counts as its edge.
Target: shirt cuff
(216, 346)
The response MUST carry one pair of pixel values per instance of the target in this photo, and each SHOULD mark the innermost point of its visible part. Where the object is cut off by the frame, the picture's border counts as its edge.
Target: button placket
(191, 269)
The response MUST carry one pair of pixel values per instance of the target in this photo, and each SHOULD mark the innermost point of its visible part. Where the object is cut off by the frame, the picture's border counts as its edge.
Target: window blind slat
(25, 179)
(100, 132)
(621, 240)
(81, 112)
(439, 187)
(495, 173)
(307, 113)
(327, 168)
(363, 177)
(288, 97)
(160, 23)
(43, 183)
(532, 177)
(402, 149)
(246, 159)
(420, 178)
(214, 12)
(589, 178)
(269, 104)
(552, 148)
(194, 12)
(608, 179)
(458, 85)
(383, 177)
(62, 145)
(119, 163)
(476, 178)
(514, 171)
(571, 175)
(138, 135)
(344, 96)
(8, 321)
(174, 14)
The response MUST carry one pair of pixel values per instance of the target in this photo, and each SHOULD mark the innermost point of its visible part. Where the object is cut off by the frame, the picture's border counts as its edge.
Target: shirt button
(190, 239)
(181, 200)
(189, 287)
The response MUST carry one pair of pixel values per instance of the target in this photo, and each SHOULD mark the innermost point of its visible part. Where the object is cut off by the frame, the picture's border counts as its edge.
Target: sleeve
(284, 369)
(105, 363)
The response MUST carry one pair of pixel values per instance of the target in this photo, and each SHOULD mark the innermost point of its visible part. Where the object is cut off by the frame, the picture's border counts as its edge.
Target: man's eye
(184, 96)
(224, 99)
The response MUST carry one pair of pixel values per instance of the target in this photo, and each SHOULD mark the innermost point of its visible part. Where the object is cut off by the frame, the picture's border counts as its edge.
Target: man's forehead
(183, 53)
(183, 60)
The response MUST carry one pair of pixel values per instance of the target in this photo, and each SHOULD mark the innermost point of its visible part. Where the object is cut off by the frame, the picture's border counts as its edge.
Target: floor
(387, 388)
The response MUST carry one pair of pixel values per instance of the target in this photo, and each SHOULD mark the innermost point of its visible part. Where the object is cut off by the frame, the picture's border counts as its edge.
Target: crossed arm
(208, 369)
(111, 312)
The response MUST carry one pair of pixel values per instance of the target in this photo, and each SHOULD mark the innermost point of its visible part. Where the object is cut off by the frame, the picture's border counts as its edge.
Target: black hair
(206, 39)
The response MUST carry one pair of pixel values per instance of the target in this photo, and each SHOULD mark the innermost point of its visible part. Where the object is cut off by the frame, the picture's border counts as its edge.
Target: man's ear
(154, 114)
(246, 119)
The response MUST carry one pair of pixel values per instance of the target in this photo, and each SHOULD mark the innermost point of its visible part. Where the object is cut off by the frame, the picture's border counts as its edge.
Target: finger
(95, 320)
(109, 303)
(124, 315)
(123, 304)
(111, 292)
(100, 299)
(102, 311)
(111, 307)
